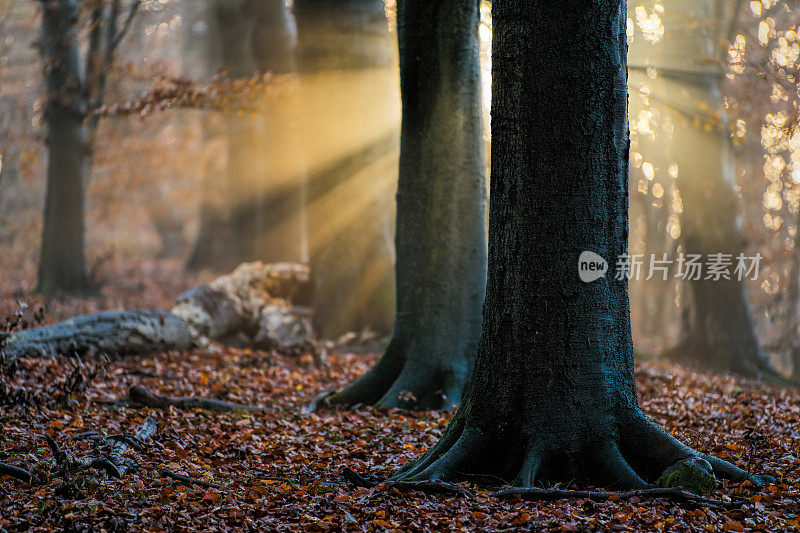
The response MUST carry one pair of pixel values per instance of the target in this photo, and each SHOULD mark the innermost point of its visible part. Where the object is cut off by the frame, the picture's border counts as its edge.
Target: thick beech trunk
(62, 265)
(441, 214)
(264, 302)
(553, 394)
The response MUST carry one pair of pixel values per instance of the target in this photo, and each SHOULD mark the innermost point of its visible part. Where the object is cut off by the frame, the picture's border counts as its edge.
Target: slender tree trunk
(211, 247)
(225, 229)
(283, 194)
(790, 338)
(553, 393)
(441, 213)
(266, 179)
(349, 92)
(62, 265)
(244, 130)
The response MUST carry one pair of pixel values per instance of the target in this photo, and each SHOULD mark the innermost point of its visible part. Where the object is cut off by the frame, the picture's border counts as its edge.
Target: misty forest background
(206, 134)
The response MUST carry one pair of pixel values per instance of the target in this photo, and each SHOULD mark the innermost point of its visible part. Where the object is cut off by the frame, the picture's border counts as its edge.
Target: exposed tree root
(673, 493)
(399, 380)
(744, 363)
(435, 487)
(638, 457)
(138, 395)
(319, 400)
(15, 472)
(438, 487)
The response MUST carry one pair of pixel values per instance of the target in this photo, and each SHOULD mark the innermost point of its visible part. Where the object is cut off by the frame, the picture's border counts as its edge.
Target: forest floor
(281, 469)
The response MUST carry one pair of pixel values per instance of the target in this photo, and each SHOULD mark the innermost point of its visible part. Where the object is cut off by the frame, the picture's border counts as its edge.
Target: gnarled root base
(400, 380)
(634, 459)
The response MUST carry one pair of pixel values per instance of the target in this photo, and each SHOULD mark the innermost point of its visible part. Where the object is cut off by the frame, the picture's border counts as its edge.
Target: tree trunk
(211, 248)
(441, 214)
(553, 394)
(790, 339)
(62, 265)
(245, 165)
(263, 214)
(722, 333)
(283, 195)
(349, 92)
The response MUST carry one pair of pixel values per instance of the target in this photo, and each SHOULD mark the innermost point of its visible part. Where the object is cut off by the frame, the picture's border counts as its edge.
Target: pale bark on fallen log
(264, 302)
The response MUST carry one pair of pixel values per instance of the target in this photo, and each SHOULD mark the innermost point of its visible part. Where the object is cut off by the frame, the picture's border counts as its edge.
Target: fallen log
(138, 395)
(266, 303)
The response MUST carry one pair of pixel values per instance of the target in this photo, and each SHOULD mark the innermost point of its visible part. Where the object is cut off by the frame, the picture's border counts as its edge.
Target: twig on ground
(166, 472)
(58, 455)
(139, 395)
(121, 465)
(357, 479)
(130, 440)
(674, 493)
(436, 487)
(155, 375)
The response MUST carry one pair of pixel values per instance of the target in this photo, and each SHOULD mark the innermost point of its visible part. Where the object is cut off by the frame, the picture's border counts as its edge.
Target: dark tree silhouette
(62, 265)
(553, 394)
(73, 93)
(441, 213)
(720, 330)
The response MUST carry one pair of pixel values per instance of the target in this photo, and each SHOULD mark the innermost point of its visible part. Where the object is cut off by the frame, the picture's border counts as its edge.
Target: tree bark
(62, 265)
(553, 395)
(211, 248)
(790, 339)
(245, 164)
(441, 214)
(265, 302)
